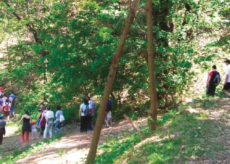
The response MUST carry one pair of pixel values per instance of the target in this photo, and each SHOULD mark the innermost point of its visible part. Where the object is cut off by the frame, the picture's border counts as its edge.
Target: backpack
(62, 118)
(216, 78)
(7, 107)
(87, 111)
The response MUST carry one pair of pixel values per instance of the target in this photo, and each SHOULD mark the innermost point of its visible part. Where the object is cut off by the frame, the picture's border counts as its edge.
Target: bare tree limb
(134, 126)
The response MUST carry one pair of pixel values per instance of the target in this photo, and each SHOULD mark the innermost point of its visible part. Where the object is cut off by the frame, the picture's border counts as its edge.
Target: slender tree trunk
(110, 81)
(152, 71)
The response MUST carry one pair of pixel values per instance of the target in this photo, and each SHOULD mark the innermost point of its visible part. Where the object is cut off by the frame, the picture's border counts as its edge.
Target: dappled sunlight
(57, 156)
(194, 129)
(191, 110)
(11, 130)
(153, 139)
(196, 134)
(74, 147)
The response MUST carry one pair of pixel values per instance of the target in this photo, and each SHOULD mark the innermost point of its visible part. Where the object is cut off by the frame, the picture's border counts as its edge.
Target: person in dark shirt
(211, 82)
(108, 115)
(2, 128)
(26, 126)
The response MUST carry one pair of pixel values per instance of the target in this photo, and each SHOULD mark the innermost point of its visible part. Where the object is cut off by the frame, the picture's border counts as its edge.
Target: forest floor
(71, 148)
(200, 134)
(214, 139)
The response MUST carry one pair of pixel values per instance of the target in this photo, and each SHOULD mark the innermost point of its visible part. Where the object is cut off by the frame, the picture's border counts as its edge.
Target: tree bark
(152, 71)
(110, 81)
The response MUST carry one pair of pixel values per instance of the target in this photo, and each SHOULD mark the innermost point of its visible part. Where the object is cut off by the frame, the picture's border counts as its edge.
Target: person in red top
(1, 89)
(213, 81)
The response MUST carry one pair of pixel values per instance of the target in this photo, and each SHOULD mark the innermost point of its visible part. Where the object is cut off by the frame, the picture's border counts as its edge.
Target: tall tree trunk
(152, 71)
(110, 81)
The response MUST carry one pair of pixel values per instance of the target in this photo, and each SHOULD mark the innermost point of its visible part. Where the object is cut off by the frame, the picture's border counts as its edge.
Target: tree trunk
(110, 81)
(152, 71)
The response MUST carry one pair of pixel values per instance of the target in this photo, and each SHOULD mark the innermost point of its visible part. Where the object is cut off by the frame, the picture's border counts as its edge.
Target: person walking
(1, 107)
(58, 122)
(6, 107)
(26, 126)
(12, 99)
(42, 120)
(49, 123)
(2, 128)
(92, 103)
(84, 114)
(212, 81)
(227, 79)
(108, 116)
(41, 108)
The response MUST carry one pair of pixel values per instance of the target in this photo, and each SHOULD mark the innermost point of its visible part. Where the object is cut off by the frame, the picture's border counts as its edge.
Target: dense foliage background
(60, 51)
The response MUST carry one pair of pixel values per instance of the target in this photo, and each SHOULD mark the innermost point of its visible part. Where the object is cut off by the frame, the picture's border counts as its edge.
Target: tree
(110, 81)
(80, 38)
(152, 70)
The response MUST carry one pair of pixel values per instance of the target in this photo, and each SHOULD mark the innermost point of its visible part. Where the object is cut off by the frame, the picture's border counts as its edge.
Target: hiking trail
(74, 146)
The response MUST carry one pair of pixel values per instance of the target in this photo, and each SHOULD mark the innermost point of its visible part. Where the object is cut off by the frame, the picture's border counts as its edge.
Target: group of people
(46, 119)
(87, 112)
(7, 108)
(44, 124)
(7, 104)
(214, 79)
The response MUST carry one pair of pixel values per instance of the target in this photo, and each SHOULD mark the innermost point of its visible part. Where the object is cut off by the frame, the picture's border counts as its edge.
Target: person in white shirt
(49, 115)
(34, 131)
(227, 79)
(58, 122)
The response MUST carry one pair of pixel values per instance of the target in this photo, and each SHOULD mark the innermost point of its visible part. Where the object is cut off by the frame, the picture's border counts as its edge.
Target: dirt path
(11, 141)
(73, 148)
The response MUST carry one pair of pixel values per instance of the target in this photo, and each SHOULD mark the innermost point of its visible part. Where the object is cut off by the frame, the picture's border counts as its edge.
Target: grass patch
(180, 137)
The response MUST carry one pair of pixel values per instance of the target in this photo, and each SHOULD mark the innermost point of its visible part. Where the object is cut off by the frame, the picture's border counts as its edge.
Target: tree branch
(15, 14)
(134, 126)
(30, 26)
